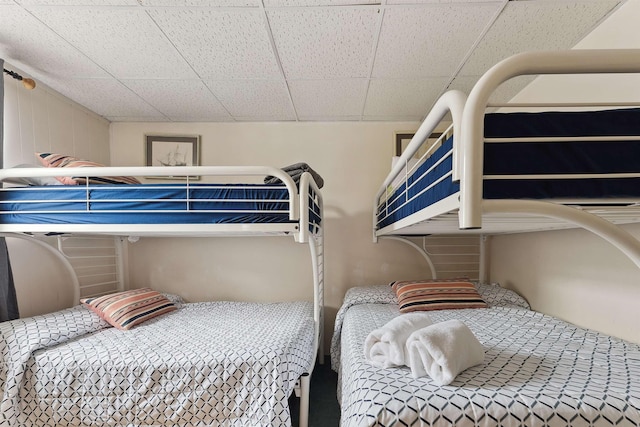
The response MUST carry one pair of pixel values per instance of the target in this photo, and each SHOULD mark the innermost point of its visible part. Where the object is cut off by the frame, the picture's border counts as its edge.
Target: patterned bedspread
(206, 364)
(538, 370)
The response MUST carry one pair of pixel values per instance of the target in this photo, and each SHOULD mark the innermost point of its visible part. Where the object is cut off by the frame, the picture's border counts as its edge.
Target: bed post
(483, 276)
(305, 385)
(313, 234)
(452, 102)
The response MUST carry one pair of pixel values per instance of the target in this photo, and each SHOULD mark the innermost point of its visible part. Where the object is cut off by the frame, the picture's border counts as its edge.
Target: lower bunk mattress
(205, 364)
(537, 370)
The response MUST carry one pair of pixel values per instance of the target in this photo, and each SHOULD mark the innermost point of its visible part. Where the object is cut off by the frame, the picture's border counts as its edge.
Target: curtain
(8, 301)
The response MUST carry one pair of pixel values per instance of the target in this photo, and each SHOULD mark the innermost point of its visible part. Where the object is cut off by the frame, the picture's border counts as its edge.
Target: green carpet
(324, 410)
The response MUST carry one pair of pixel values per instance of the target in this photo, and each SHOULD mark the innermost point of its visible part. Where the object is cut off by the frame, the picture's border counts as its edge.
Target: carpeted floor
(324, 410)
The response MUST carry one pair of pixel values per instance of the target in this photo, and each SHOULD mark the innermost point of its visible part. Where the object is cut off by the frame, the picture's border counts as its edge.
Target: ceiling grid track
(185, 60)
(372, 61)
(472, 48)
(277, 58)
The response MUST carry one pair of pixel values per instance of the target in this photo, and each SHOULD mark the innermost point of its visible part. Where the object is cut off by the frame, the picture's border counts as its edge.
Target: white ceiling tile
(306, 3)
(395, 2)
(135, 119)
(221, 44)
(29, 44)
(325, 43)
(403, 97)
(223, 60)
(200, 3)
(105, 97)
(503, 93)
(77, 2)
(430, 40)
(328, 98)
(261, 99)
(536, 25)
(179, 100)
(125, 42)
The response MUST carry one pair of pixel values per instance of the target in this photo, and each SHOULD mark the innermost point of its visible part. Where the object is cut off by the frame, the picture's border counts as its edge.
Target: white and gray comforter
(206, 364)
(538, 370)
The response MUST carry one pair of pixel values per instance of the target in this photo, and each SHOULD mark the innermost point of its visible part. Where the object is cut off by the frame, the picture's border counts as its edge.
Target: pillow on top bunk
(124, 310)
(53, 160)
(31, 180)
(425, 295)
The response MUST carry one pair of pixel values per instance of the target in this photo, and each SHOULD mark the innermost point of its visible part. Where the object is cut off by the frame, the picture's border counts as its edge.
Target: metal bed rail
(295, 206)
(472, 205)
(449, 104)
(597, 61)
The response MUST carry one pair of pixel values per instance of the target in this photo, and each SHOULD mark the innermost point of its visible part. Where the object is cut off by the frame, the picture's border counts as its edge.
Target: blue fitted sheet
(531, 158)
(146, 204)
(575, 157)
(417, 183)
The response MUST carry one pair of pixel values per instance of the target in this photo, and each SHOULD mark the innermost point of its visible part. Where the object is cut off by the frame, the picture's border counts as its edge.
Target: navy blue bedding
(518, 158)
(146, 204)
(575, 157)
(418, 181)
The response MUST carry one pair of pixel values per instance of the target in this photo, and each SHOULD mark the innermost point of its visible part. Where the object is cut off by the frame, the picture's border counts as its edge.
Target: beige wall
(353, 159)
(42, 120)
(573, 275)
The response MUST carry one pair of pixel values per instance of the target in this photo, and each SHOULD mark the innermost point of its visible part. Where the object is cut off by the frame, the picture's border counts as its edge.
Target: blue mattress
(418, 182)
(576, 157)
(531, 158)
(146, 204)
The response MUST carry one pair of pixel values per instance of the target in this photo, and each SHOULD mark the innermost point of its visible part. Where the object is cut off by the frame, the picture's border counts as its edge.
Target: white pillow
(41, 180)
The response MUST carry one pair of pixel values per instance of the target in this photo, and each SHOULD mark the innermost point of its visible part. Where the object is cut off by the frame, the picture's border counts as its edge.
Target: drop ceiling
(278, 60)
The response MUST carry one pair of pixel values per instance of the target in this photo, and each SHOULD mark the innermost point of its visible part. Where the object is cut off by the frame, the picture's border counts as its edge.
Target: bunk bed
(214, 363)
(505, 172)
(496, 171)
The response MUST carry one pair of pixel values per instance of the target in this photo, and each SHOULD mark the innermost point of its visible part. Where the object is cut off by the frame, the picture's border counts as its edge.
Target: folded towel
(385, 347)
(443, 350)
(295, 171)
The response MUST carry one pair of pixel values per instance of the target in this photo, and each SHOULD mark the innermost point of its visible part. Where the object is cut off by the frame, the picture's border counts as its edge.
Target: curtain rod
(28, 83)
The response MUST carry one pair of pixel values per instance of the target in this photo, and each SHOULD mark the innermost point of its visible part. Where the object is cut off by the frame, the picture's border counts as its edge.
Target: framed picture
(173, 150)
(403, 139)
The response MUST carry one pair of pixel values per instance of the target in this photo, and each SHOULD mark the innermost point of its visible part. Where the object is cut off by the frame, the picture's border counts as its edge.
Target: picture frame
(172, 150)
(402, 140)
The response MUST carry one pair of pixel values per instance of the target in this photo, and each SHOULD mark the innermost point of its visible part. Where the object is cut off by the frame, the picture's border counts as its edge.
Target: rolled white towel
(385, 347)
(443, 350)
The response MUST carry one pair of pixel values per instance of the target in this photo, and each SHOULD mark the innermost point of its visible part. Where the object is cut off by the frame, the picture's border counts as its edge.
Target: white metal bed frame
(466, 211)
(301, 228)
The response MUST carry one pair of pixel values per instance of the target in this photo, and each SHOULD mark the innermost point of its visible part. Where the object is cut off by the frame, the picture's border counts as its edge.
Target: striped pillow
(427, 295)
(124, 310)
(53, 160)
